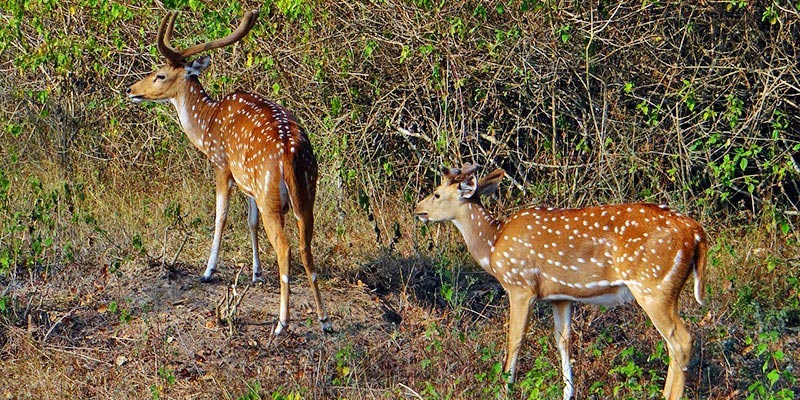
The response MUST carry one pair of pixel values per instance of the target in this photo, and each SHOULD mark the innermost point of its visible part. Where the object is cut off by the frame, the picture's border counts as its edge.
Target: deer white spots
(604, 259)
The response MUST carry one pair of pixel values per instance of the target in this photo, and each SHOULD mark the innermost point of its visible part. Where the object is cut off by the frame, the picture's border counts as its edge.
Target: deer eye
(160, 77)
(436, 195)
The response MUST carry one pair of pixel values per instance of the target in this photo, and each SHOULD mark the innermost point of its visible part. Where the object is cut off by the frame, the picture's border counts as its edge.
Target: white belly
(620, 296)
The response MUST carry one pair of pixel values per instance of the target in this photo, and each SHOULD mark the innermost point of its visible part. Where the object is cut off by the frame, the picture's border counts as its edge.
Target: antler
(162, 43)
(469, 169)
(458, 175)
(177, 57)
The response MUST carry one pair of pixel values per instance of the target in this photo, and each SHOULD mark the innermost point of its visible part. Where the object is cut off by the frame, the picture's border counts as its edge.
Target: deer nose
(128, 90)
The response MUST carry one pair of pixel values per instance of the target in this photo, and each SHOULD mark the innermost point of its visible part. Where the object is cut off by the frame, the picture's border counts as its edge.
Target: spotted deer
(605, 255)
(252, 143)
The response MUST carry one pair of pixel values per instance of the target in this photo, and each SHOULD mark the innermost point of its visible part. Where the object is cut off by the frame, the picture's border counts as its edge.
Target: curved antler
(177, 57)
(244, 27)
(162, 43)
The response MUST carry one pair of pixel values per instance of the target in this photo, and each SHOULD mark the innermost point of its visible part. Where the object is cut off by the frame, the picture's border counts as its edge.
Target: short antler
(457, 175)
(177, 57)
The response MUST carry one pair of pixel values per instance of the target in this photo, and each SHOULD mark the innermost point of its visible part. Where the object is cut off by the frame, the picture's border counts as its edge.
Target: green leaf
(773, 377)
(628, 87)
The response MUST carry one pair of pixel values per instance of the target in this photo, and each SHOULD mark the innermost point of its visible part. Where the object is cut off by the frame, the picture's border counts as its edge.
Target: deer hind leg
(517, 327)
(305, 229)
(224, 182)
(273, 222)
(679, 343)
(562, 315)
(252, 223)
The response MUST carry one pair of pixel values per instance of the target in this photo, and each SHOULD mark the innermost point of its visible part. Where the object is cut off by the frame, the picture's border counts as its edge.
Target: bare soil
(164, 335)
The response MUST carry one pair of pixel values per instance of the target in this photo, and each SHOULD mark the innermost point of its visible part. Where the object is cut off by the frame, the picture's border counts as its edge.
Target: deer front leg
(517, 326)
(562, 315)
(224, 182)
(252, 223)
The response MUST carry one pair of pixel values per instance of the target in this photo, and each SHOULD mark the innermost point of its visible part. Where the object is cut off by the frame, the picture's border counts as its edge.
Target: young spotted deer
(252, 143)
(603, 255)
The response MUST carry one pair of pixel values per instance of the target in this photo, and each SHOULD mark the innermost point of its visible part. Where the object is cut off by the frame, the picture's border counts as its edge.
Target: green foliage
(432, 334)
(543, 381)
(345, 365)
(492, 381)
(167, 375)
(298, 11)
(124, 314)
(628, 87)
(194, 5)
(155, 392)
(564, 33)
(734, 110)
(5, 307)
(734, 4)
(776, 383)
(652, 114)
(770, 14)
(291, 395)
(633, 381)
(688, 95)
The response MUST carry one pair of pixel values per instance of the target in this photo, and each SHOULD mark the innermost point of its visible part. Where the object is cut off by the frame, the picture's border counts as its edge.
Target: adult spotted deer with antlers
(605, 255)
(252, 143)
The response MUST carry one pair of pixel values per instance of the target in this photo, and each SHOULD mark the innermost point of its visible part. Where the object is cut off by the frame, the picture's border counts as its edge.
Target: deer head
(459, 187)
(167, 82)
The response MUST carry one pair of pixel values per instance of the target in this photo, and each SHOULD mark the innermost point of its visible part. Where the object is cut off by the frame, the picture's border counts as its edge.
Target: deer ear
(489, 183)
(197, 66)
(468, 187)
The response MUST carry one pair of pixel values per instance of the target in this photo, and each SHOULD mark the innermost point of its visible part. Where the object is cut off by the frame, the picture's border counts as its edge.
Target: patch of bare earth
(149, 329)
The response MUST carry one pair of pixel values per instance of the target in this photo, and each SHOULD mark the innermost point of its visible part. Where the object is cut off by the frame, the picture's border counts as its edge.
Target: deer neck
(195, 110)
(480, 230)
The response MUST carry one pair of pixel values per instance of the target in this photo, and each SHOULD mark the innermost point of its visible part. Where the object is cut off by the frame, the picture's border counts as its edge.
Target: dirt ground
(145, 330)
(152, 331)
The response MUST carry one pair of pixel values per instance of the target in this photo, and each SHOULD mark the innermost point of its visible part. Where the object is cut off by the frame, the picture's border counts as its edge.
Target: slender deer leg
(517, 326)
(305, 229)
(679, 341)
(223, 184)
(273, 223)
(562, 315)
(252, 223)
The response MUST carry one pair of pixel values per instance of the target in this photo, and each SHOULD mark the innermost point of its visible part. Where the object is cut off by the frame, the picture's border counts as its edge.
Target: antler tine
(164, 35)
(468, 168)
(449, 173)
(248, 20)
(457, 175)
(170, 27)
